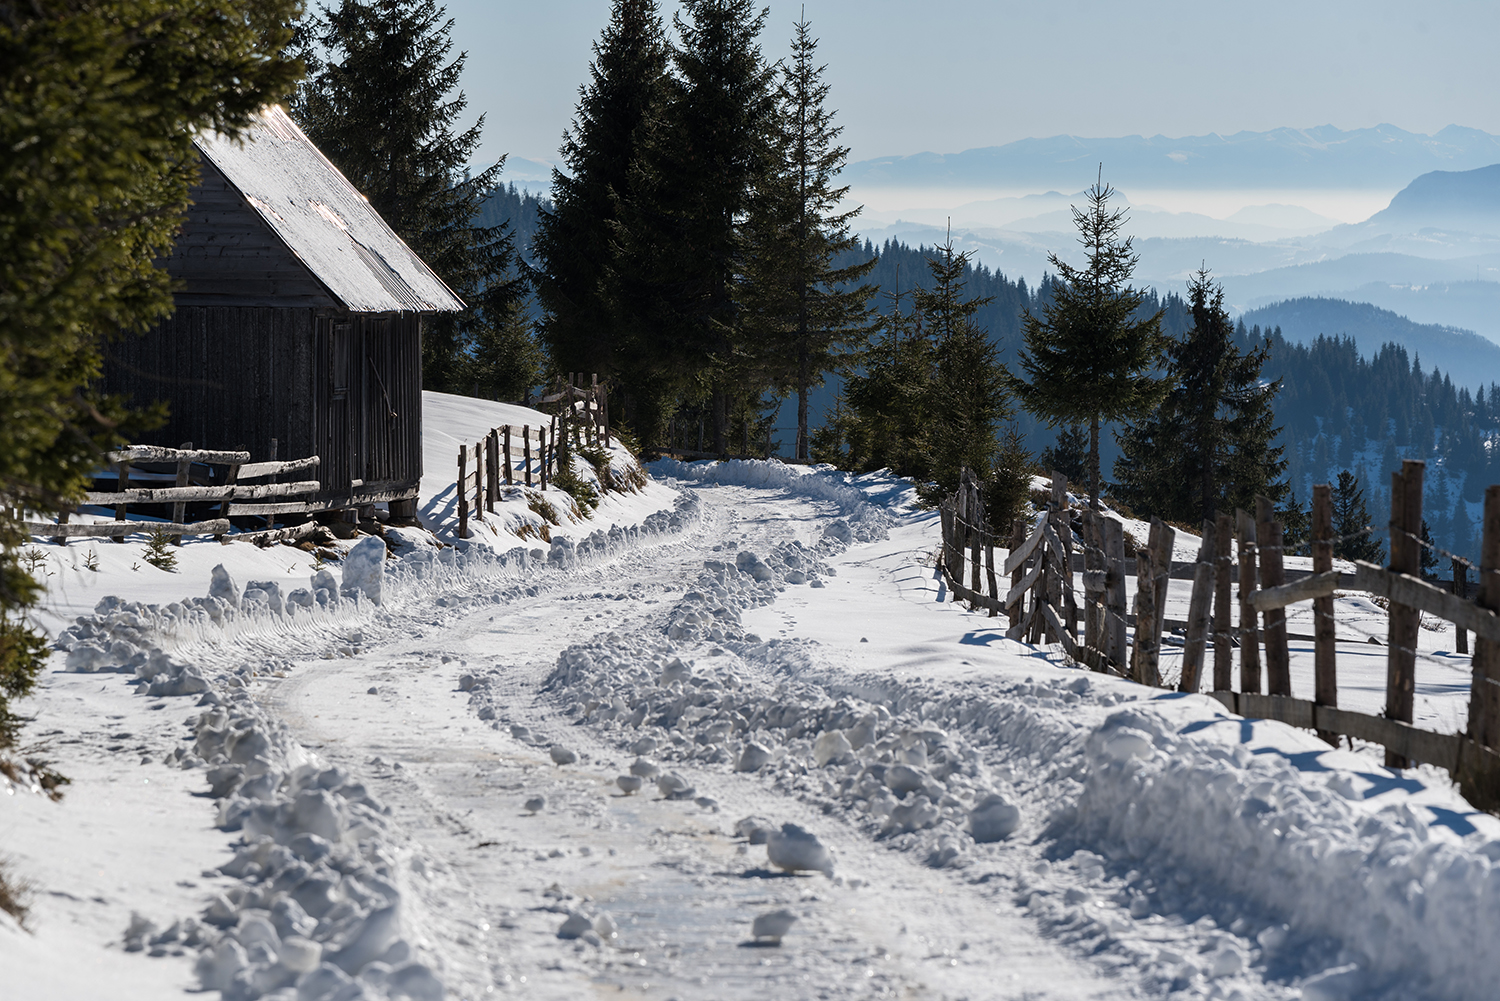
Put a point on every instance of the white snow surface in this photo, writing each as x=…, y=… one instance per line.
x=774, y=645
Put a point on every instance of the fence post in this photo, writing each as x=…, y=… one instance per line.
x=1406, y=557
x=461, y=497
x=491, y=469
x=479, y=480
x=955, y=552
x=122, y=484
x=1093, y=560
x=1325, y=667
x=1244, y=527
x=989, y=568
x=506, y=457
x=1017, y=539
x=544, y=455
x=1268, y=532
x=179, y=509
x=230, y=479
x=1223, y=603
x=945, y=520
x=1461, y=589
x=1114, y=588
x=1062, y=523
x=1484, y=692
x=1151, y=569
x=977, y=532
x=526, y=450
x=1199, y=613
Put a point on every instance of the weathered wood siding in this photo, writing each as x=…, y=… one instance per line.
x=340, y=386
x=227, y=256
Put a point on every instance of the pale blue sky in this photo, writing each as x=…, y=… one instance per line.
x=948, y=75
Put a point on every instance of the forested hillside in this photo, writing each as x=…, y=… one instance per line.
x=520, y=208
x=1337, y=410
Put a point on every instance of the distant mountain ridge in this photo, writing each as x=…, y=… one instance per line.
x=1469, y=359
x=1323, y=157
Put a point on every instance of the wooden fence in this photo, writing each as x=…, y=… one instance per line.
x=504, y=455
x=584, y=411
x=201, y=477
x=1042, y=606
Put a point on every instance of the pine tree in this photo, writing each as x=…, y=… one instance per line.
x=98, y=108
x=1069, y=454
x=679, y=230
x=889, y=394
x=1296, y=525
x=1208, y=446
x=1351, y=523
x=808, y=311
x=575, y=240
x=380, y=102
x=1088, y=357
x=968, y=396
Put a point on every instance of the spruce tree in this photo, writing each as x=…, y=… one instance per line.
x=679, y=229
x=808, y=315
x=380, y=101
x=1089, y=358
x=1352, y=528
x=575, y=241
x=888, y=396
x=1208, y=446
x=1069, y=454
x=968, y=397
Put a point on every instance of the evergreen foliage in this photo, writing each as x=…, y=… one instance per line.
x=806, y=315
x=98, y=106
x=1208, y=446
x=1070, y=454
x=681, y=244
x=1090, y=357
x=576, y=236
x=1351, y=520
x=380, y=101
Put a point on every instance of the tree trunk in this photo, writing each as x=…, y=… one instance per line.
x=721, y=420
x=1094, y=464
x=803, y=378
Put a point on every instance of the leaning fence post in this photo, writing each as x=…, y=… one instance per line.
x=461, y=497
x=1273, y=574
x=544, y=455
x=1406, y=557
x=479, y=480
x=976, y=534
x=1017, y=540
x=1199, y=609
x=506, y=457
x=1244, y=527
x=989, y=569
x=1325, y=666
x=1223, y=603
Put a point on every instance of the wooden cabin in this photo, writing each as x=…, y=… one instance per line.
x=298, y=327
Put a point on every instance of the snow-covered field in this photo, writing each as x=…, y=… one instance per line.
x=436, y=796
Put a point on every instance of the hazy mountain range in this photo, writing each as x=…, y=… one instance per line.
x=1381, y=157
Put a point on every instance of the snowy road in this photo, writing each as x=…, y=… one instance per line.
x=670, y=873
x=990, y=822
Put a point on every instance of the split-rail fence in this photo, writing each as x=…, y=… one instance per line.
x=222, y=479
x=1042, y=605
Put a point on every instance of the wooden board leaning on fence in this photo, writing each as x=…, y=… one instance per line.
x=226, y=476
x=1041, y=606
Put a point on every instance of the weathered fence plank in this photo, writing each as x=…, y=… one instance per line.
x=1244, y=527
x=1223, y=603
x=1406, y=558
x=1199, y=609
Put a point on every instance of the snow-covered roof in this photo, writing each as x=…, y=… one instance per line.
x=324, y=220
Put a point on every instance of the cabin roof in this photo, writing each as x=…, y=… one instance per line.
x=324, y=220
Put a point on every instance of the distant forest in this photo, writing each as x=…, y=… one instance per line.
x=1341, y=406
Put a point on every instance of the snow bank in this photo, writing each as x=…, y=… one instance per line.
x=1219, y=856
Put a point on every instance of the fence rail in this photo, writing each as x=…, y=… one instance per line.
x=227, y=471
x=1041, y=604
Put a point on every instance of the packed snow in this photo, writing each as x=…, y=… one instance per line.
x=728, y=740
